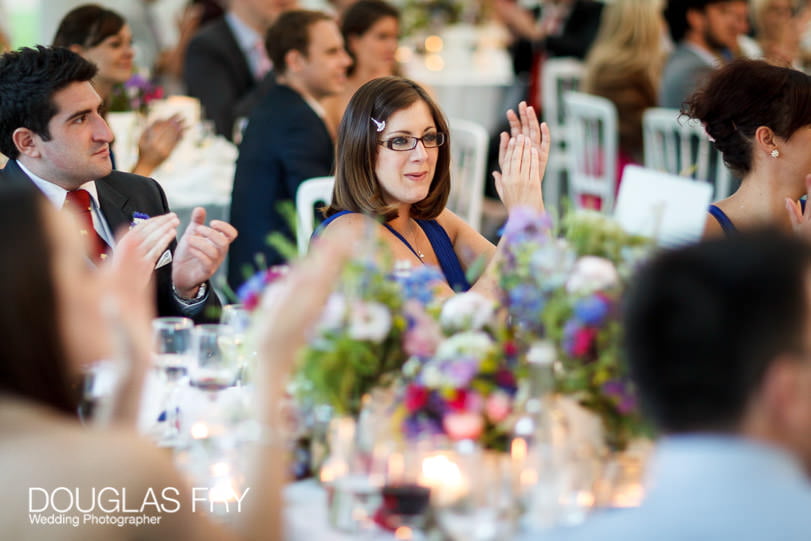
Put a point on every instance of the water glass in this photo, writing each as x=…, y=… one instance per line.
x=213, y=367
x=172, y=349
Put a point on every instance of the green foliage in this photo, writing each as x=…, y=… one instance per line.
x=340, y=366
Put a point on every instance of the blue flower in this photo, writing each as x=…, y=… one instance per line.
x=419, y=284
x=526, y=303
x=591, y=310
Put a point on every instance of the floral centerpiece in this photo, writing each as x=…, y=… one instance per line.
x=460, y=380
x=568, y=290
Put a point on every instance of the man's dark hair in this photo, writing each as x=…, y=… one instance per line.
x=704, y=323
x=676, y=15
x=28, y=80
x=291, y=32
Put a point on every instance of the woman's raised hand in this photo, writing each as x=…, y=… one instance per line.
x=522, y=157
x=519, y=182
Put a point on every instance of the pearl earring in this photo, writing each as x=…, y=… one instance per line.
x=775, y=153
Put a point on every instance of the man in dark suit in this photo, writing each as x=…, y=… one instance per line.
x=57, y=141
x=286, y=140
x=226, y=62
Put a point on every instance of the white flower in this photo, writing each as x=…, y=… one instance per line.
x=369, y=321
x=465, y=344
x=592, y=274
x=412, y=367
x=467, y=311
x=432, y=376
x=542, y=352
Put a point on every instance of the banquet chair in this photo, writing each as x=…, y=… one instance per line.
x=683, y=148
x=468, y=170
x=310, y=193
x=558, y=75
x=592, y=150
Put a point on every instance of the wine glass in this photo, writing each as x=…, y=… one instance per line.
x=475, y=500
x=406, y=496
x=236, y=320
x=212, y=368
x=172, y=347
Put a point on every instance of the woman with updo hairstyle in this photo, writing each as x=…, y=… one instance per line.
x=759, y=117
x=103, y=37
x=393, y=176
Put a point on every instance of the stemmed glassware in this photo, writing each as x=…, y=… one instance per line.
x=213, y=368
x=172, y=347
x=236, y=320
x=476, y=499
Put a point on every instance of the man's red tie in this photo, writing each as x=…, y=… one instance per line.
x=78, y=202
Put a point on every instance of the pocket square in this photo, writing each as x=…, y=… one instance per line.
x=165, y=259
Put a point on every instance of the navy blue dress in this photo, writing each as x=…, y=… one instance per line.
x=440, y=243
x=727, y=225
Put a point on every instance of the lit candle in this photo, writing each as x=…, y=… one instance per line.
x=443, y=477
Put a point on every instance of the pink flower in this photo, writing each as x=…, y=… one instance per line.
x=423, y=335
x=415, y=398
x=498, y=407
x=463, y=426
x=583, y=340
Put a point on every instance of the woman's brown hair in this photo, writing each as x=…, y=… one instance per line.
x=356, y=185
x=33, y=364
x=744, y=95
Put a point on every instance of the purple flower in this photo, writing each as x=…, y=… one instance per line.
x=592, y=310
x=569, y=333
x=623, y=394
x=137, y=81
x=436, y=404
x=416, y=426
x=526, y=223
x=460, y=372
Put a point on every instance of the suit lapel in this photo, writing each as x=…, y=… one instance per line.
x=114, y=205
x=237, y=58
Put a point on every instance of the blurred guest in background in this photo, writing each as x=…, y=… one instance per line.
x=103, y=37
x=287, y=140
x=370, y=29
x=759, y=117
x=556, y=28
x=705, y=33
x=777, y=32
x=226, y=60
x=718, y=339
x=338, y=7
x=625, y=65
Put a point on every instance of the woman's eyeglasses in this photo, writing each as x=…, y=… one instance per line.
x=402, y=143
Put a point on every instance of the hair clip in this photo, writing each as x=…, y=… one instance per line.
x=380, y=125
